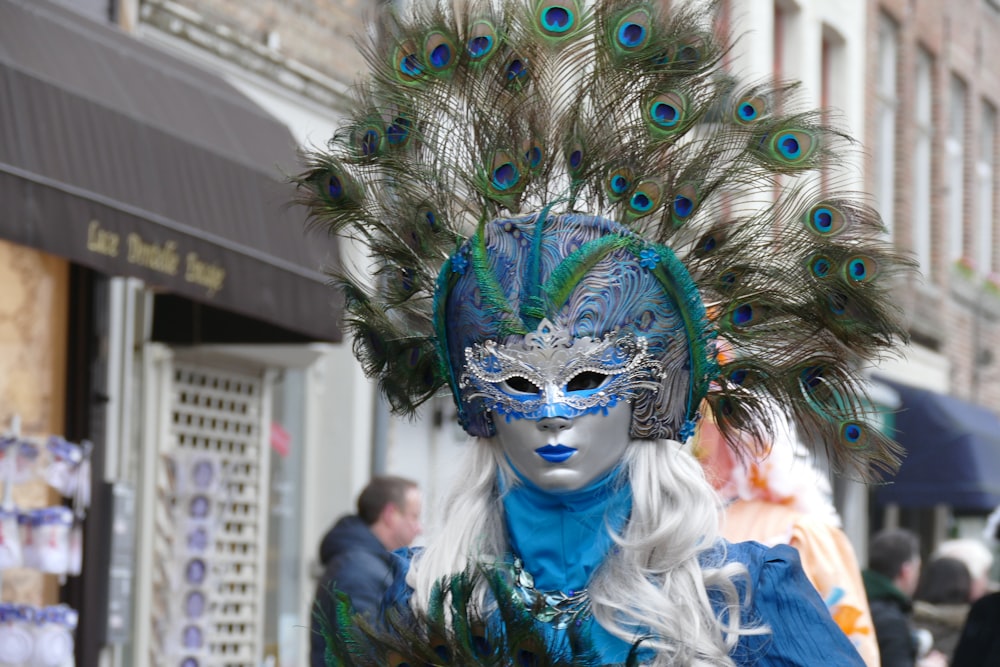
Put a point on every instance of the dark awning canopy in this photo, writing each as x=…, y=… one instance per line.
x=952, y=452
x=118, y=156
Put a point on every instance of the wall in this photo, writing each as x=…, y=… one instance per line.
x=33, y=325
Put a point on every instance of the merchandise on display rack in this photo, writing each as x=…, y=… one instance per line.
x=45, y=539
x=199, y=498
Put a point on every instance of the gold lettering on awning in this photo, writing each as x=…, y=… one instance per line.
x=210, y=276
x=160, y=258
x=102, y=241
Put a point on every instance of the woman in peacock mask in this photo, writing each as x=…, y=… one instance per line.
x=570, y=208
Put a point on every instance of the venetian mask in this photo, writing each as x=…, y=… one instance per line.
x=570, y=325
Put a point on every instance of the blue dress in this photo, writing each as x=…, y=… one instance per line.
x=561, y=539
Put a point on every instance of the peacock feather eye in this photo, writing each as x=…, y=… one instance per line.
x=645, y=199
x=406, y=63
x=690, y=52
x=711, y=241
x=632, y=31
x=406, y=277
x=618, y=183
x=398, y=132
x=574, y=157
x=369, y=140
x=533, y=154
x=854, y=434
x=742, y=377
x=558, y=18
x=750, y=109
x=665, y=113
x=792, y=146
x=685, y=203
x=427, y=216
x=729, y=279
x=742, y=315
x=820, y=266
x=747, y=314
x=838, y=303
x=482, y=41
x=861, y=268
x=811, y=378
x=825, y=219
x=516, y=72
x=440, y=53
x=335, y=186
x=505, y=174
x=815, y=384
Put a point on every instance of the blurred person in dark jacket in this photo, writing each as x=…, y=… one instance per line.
x=941, y=602
x=890, y=582
x=979, y=645
x=356, y=553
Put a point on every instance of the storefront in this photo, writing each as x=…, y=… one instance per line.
x=160, y=298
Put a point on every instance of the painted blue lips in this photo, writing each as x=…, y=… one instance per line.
x=555, y=453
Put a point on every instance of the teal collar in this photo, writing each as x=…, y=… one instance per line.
x=562, y=538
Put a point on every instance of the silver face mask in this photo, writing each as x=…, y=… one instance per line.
x=562, y=405
x=566, y=454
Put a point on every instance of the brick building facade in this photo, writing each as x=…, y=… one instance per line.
x=933, y=91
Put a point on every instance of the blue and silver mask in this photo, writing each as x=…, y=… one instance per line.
x=551, y=374
x=568, y=315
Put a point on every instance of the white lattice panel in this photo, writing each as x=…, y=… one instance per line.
x=220, y=413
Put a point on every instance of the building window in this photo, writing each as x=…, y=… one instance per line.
x=887, y=101
x=984, y=190
x=922, y=163
x=955, y=161
x=831, y=82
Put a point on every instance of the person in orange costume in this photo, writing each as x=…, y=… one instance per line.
x=783, y=499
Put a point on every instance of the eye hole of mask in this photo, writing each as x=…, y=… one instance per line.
x=520, y=385
x=586, y=380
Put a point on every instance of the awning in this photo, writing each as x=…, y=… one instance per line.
x=118, y=156
x=952, y=452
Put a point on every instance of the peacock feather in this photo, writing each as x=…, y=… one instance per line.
x=453, y=632
x=619, y=109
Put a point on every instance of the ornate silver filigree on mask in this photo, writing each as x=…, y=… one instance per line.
x=547, y=361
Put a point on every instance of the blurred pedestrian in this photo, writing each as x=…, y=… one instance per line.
x=979, y=645
x=356, y=552
x=976, y=556
x=784, y=499
x=890, y=581
x=941, y=601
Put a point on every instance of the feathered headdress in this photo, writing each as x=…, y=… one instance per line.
x=524, y=167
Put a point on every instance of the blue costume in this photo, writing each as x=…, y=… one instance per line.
x=561, y=539
x=587, y=232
